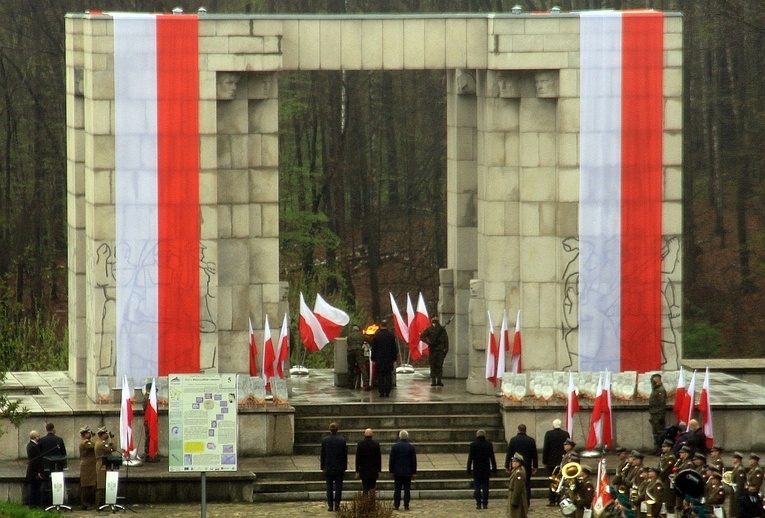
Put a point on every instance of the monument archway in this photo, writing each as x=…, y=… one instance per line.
x=517, y=89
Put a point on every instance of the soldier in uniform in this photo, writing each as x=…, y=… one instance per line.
x=632, y=478
x=356, y=359
x=87, y=469
x=638, y=497
x=655, y=491
x=517, y=505
x=102, y=448
x=583, y=492
x=754, y=475
x=738, y=479
x=714, y=492
x=568, y=453
x=657, y=407
x=666, y=467
x=715, y=459
x=699, y=461
x=438, y=345
x=683, y=462
x=621, y=469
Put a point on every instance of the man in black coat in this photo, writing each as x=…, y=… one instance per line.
x=750, y=503
x=368, y=461
x=50, y=446
x=527, y=447
x=403, y=464
x=34, y=469
x=384, y=355
x=334, y=462
x=481, y=464
x=552, y=453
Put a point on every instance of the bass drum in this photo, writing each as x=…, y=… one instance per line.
x=567, y=507
x=690, y=483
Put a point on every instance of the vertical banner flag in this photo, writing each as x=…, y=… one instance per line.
x=126, y=418
x=621, y=110
x=690, y=400
x=677, y=408
x=412, y=333
x=151, y=416
x=284, y=348
x=311, y=333
x=402, y=330
x=269, y=358
x=253, y=353
x=705, y=407
x=421, y=322
x=572, y=405
x=516, y=358
x=600, y=422
x=502, y=349
x=492, y=351
x=157, y=229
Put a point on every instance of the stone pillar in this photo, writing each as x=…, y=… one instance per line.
x=476, y=381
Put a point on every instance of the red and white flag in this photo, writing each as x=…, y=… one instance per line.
x=412, y=334
x=677, y=408
x=600, y=422
x=156, y=193
x=269, y=358
x=705, y=407
x=572, y=405
x=283, y=351
x=516, y=357
x=126, y=418
x=421, y=321
x=332, y=319
x=690, y=400
x=620, y=198
x=311, y=333
x=253, y=353
x=151, y=416
x=402, y=329
x=502, y=348
x=602, y=494
x=492, y=351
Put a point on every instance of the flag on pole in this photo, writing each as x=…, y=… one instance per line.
x=516, y=357
x=502, y=348
x=600, y=422
x=572, y=405
x=126, y=418
x=402, y=330
x=705, y=407
x=284, y=348
x=331, y=318
x=422, y=321
x=690, y=399
x=151, y=416
x=680, y=398
x=412, y=334
x=492, y=350
x=602, y=494
x=253, y=353
x=311, y=333
x=268, y=356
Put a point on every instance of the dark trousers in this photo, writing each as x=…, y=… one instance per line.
x=481, y=491
x=368, y=484
x=357, y=360
x=437, y=364
x=88, y=496
x=35, y=487
x=384, y=382
x=334, y=489
x=399, y=482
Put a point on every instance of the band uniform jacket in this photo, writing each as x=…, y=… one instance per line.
x=657, y=489
x=517, y=505
x=102, y=449
x=666, y=466
x=738, y=479
x=754, y=477
x=87, y=463
x=714, y=493
x=583, y=496
x=621, y=472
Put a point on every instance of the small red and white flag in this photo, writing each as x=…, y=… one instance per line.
x=677, y=408
x=516, y=357
x=402, y=329
x=690, y=400
x=126, y=418
x=311, y=333
x=332, y=319
x=284, y=348
x=502, y=348
x=600, y=422
x=269, y=358
x=572, y=405
x=412, y=334
x=492, y=351
x=602, y=494
x=705, y=407
x=151, y=416
x=253, y=353
x=421, y=321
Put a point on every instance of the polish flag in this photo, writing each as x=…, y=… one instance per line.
x=705, y=407
x=412, y=333
x=572, y=405
x=402, y=330
x=602, y=494
x=331, y=318
x=680, y=398
x=689, y=400
x=492, y=351
x=311, y=333
x=156, y=193
x=600, y=422
x=516, y=357
x=268, y=356
x=284, y=348
x=421, y=321
x=502, y=348
x=620, y=198
x=151, y=416
x=126, y=418
x=253, y=353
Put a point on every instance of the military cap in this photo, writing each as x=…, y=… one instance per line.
x=754, y=456
x=738, y=455
x=715, y=448
x=517, y=457
x=103, y=429
x=686, y=449
x=668, y=442
x=621, y=449
x=569, y=442
x=84, y=430
x=699, y=456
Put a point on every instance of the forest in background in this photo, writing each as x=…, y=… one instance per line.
x=363, y=171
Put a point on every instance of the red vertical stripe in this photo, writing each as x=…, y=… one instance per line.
x=642, y=92
x=178, y=193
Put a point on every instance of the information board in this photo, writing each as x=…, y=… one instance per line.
x=203, y=422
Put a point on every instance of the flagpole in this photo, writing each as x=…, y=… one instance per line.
x=407, y=367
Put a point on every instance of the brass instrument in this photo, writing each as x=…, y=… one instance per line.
x=571, y=472
x=555, y=479
x=727, y=479
x=649, y=502
x=634, y=494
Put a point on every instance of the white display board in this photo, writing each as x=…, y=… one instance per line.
x=202, y=414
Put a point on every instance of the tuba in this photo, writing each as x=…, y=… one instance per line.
x=555, y=478
x=570, y=472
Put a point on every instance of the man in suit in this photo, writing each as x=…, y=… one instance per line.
x=403, y=464
x=50, y=446
x=368, y=461
x=34, y=474
x=334, y=462
x=384, y=355
x=527, y=447
x=552, y=453
x=481, y=464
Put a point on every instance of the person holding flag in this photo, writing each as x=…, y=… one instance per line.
x=438, y=344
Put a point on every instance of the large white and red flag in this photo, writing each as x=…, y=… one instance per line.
x=600, y=422
x=502, y=348
x=402, y=329
x=332, y=319
x=689, y=400
x=156, y=194
x=269, y=357
x=311, y=333
x=516, y=357
x=253, y=352
x=572, y=405
x=677, y=408
x=705, y=407
x=283, y=351
x=620, y=198
x=151, y=416
x=492, y=351
x=126, y=418
x=602, y=494
x=416, y=326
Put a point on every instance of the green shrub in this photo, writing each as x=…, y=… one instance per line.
x=701, y=339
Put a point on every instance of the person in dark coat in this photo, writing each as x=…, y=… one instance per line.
x=368, y=461
x=527, y=447
x=334, y=462
x=481, y=464
x=403, y=464
x=657, y=408
x=750, y=503
x=384, y=355
x=50, y=446
x=87, y=469
x=34, y=474
x=437, y=339
x=552, y=453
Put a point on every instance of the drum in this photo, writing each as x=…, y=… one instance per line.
x=690, y=483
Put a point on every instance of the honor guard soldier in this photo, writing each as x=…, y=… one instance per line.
x=699, y=461
x=517, y=505
x=714, y=493
x=754, y=476
x=683, y=462
x=738, y=483
x=666, y=466
x=621, y=469
x=584, y=491
x=655, y=492
x=715, y=459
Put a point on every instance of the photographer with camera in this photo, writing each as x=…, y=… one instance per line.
x=103, y=448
